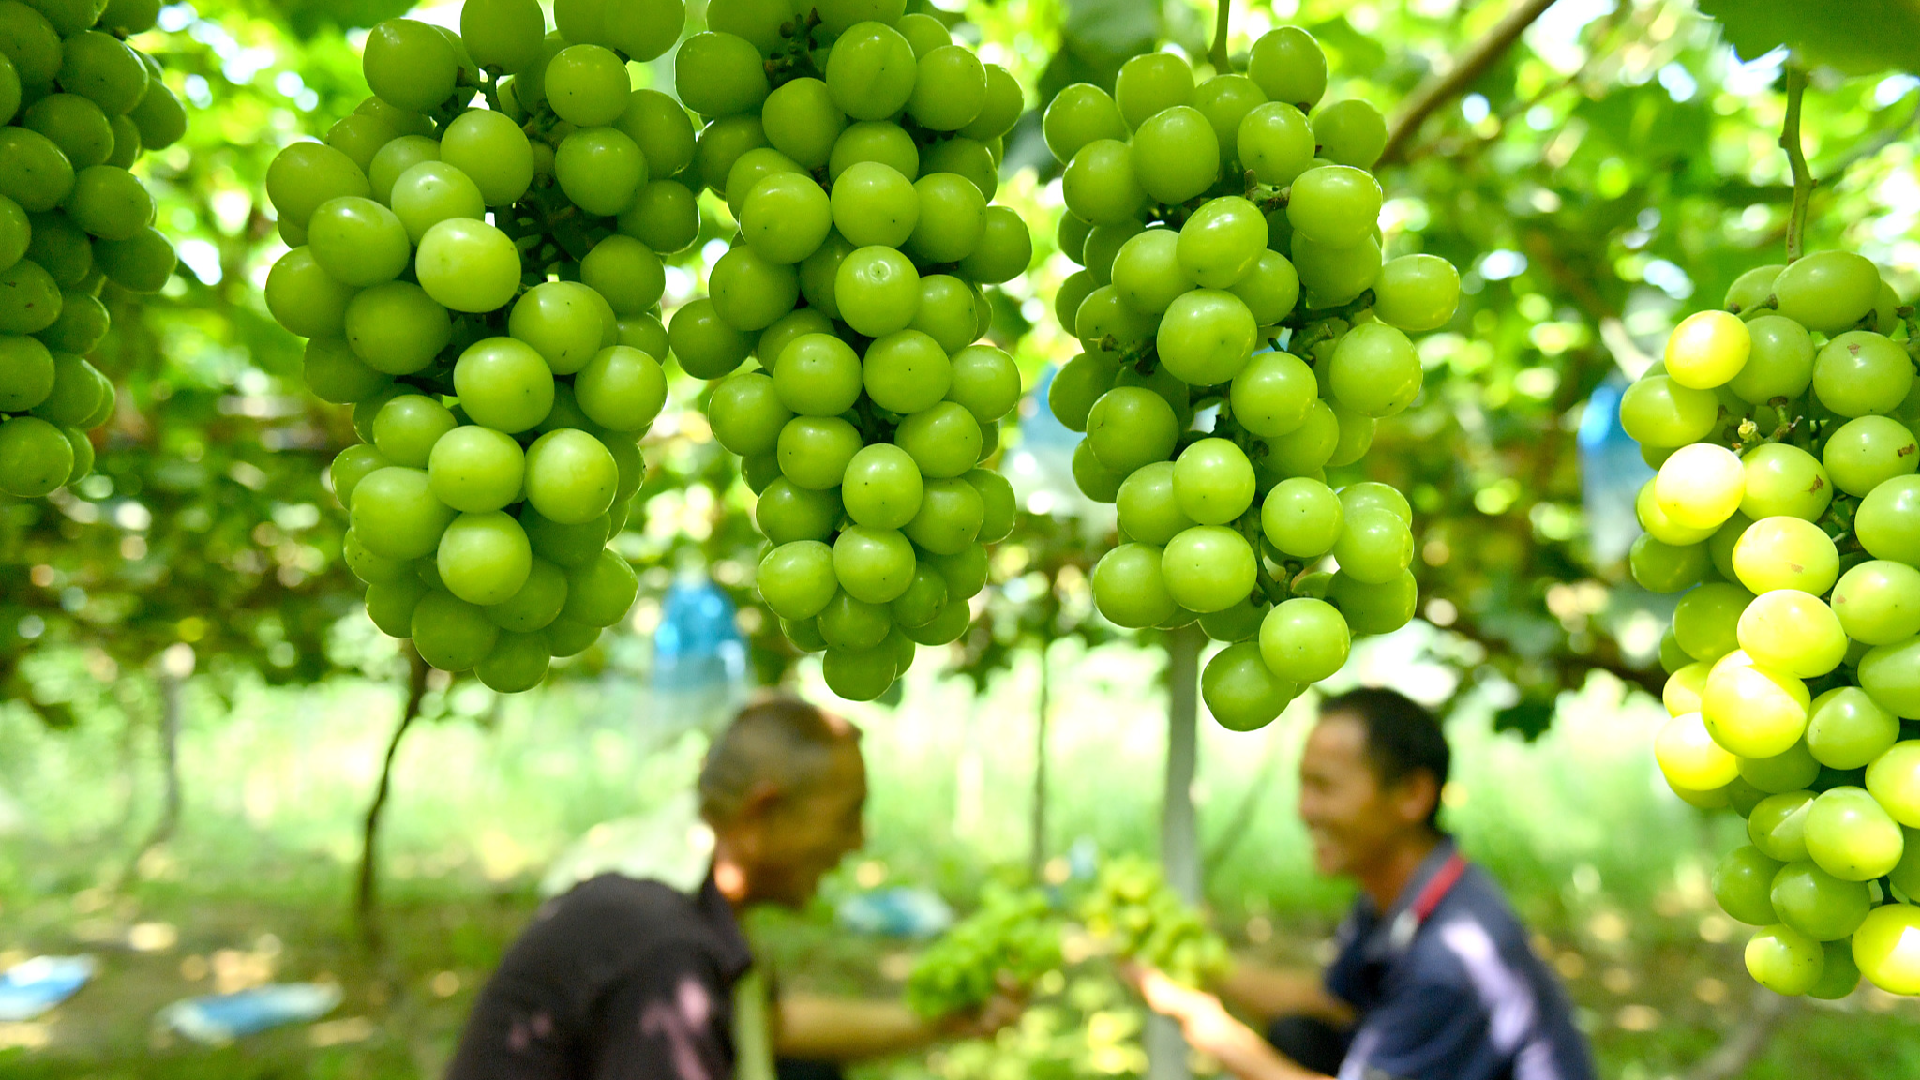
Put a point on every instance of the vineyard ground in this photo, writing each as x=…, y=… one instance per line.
x=255, y=884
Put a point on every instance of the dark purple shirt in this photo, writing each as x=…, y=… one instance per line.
x=617, y=979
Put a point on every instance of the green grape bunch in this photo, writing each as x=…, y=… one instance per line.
x=1213, y=220
x=1139, y=917
x=858, y=148
x=1786, y=512
x=475, y=262
x=79, y=104
x=1008, y=944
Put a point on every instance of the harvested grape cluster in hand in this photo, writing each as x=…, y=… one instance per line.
x=79, y=105
x=1009, y=943
x=857, y=146
x=1139, y=917
x=1213, y=221
x=1787, y=510
x=475, y=264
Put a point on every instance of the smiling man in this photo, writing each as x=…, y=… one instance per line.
x=1434, y=979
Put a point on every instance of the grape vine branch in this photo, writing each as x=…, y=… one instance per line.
x=1796, y=160
x=365, y=881
x=1448, y=83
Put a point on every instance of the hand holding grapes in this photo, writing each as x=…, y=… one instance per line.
x=1002, y=1010
x=1208, y=1027
x=1139, y=918
x=975, y=977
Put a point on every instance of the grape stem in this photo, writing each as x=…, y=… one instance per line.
x=1217, y=55
x=1796, y=160
x=1263, y=579
x=1749, y=434
x=1299, y=317
x=796, y=59
x=490, y=88
x=1143, y=356
x=1269, y=203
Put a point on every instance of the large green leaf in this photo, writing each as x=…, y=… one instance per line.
x=309, y=17
x=1858, y=37
x=1114, y=29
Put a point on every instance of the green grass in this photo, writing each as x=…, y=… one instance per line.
x=1610, y=869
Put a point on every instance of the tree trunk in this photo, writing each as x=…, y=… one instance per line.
x=169, y=759
x=364, y=890
x=1037, y=814
x=169, y=685
x=1179, y=844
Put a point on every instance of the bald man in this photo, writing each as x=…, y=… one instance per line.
x=629, y=979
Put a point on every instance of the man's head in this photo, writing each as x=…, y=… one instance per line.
x=1370, y=779
x=783, y=788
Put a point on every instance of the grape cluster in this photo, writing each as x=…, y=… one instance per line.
x=1139, y=917
x=857, y=147
x=1010, y=942
x=1787, y=509
x=1209, y=220
x=78, y=105
x=480, y=280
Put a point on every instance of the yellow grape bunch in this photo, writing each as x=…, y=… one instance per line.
x=1786, y=511
x=1242, y=336
x=79, y=104
x=857, y=146
x=475, y=262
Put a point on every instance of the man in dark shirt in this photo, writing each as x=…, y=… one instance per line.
x=627, y=979
x=1434, y=980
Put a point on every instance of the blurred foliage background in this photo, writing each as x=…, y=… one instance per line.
x=1609, y=169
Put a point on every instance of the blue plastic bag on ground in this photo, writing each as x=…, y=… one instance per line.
x=222, y=1018
x=32, y=987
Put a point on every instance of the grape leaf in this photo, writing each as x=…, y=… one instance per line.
x=1111, y=28
x=308, y=18
x=1530, y=717
x=1855, y=37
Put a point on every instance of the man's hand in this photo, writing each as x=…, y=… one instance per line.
x=999, y=1011
x=1209, y=1028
